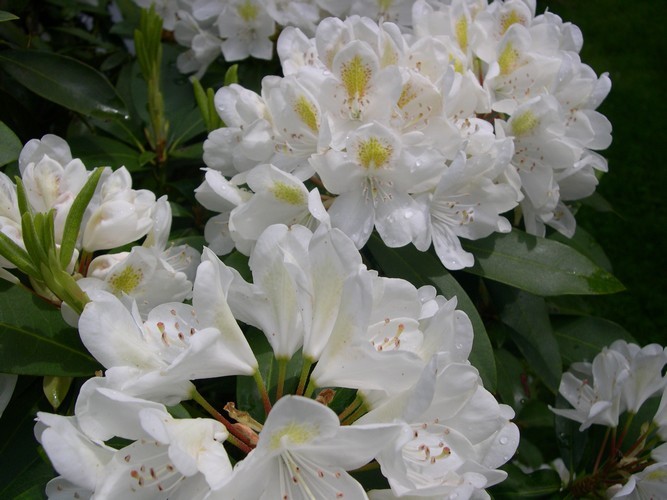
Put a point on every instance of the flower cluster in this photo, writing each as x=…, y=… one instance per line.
x=238, y=29
x=621, y=380
x=427, y=135
x=414, y=405
x=116, y=215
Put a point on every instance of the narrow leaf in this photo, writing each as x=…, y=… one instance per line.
x=75, y=216
x=424, y=269
x=65, y=81
x=17, y=256
x=10, y=145
x=538, y=265
x=35, y=340
x=7, y=16
x=232, y=75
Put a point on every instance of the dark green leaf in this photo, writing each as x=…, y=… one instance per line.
x=420, y=269
x=65, y=81
x=527, y=315
x=518, y=484
x=10, y=145
x=34, y=339
x=537, y=265
x=510, y=372
x=572, y=444
x=581, y=339
x=22, y=469
x=97, y=151
x=529, y=454
x=584, y=243
x=535, y=413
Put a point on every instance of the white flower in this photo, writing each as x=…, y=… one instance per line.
x=595, y=390
x=457, y=434
x=117, y=214
x=160, y=356
x=304, y=452
x=645, y=378
x=649, y=483
x=246, y=26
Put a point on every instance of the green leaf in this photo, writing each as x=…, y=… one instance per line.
x=56, y=389
x=585, y=244
x=22, y=469
x=65, y=81
x=582, y=338
x=232, y=75
x=7, y=16
x=527, y=315
x=420, y=269
x=35, y=340
x=510, y=373
x=538, y=265
x=17, y=256
x=10, y=145
x=98, y=151
x=75, y=216
x=518, y=484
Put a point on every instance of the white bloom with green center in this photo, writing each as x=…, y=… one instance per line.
x=246, y=27
x=280, y=198
x=303, y=452
x=372, y=178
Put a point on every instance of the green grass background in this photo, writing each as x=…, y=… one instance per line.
x=628, y=39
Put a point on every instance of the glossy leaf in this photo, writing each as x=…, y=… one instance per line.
x=10, y=145
x=581, y=339
x=538, y=265
x=528, y=317
x=35, y=340
x=584, y=243
x=420, y=269
x=65, y=81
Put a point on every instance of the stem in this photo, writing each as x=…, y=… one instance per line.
x=359, y=412
x=626, y=428
x=305, y=371
x=310, y=388
x=262, y=391
x=604, y=445
x=234, y=436
x=350, y=408
x=282, y=372
x=84, y=261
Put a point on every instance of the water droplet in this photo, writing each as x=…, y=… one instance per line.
x=408, y=214
x=453, y=496
x=503, y=440
x=459, y=346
